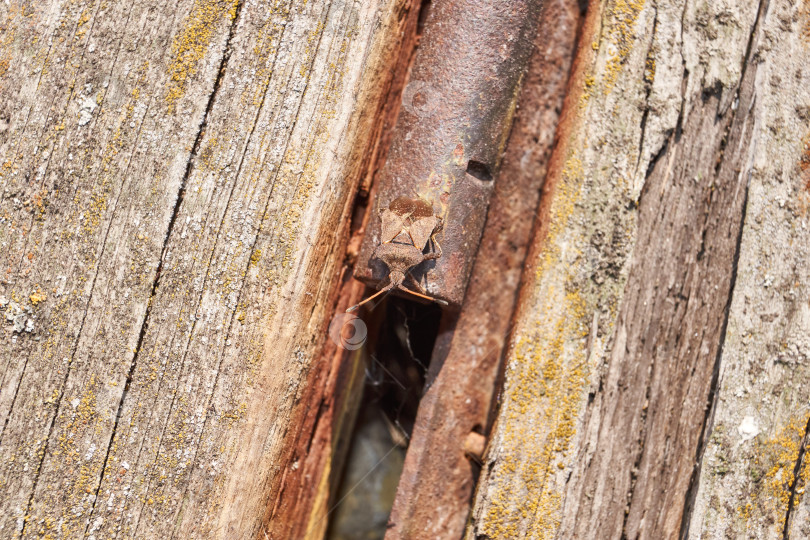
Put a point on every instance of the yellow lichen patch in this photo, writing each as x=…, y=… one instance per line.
x=17, y=14
x=266, y=39
x=623, y=15
x=545, y=384
x=37, y=296
x=773, y=473
x=191, y=44
x=93, y=211
x=7, y=35
x=38, y=203
x=76, y=456
x=81, y=28
x=649, y=68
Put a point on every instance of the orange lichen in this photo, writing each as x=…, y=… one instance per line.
x=37, y=296
x=623, y=15
x=191, y=44
x=773, y=473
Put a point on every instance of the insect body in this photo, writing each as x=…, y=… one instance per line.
x=408, y=226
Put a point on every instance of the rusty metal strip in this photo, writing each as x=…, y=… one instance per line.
x=436, y=487
x=452, y=129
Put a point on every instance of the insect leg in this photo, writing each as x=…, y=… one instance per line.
x=434, y=254
x=372, y=297
x=417, y=284
x=437, y=300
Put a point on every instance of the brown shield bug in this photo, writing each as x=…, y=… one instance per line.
x=408, y=226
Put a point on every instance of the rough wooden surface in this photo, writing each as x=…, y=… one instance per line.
x=176, y=183
x=435, y=490
x=305, y=497
x=681, y=116
x=748, y=485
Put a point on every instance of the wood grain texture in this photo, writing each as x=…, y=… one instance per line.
x=622, y=321
x=754, y=471
x=303, y=499
x=177, y=179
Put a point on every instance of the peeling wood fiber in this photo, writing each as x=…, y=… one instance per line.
x=754, y=471
x=174, y=183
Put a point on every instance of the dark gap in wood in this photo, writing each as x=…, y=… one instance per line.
x=479, y=170
x=653, y=162
x=722, y=151
x=647, y=90
x=424, y=10
x=398, y=366
x=396, y=372
x=175, y=211
x=380, y=373
x=17, y=390
x=797, y=469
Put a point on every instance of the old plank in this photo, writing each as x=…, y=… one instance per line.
x=651, y=412
x=621, y=317
x=93, y=161
x=170, y=418
x=748, y=484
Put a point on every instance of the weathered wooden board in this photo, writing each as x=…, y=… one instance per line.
x=93, y=162
x=747, y=485
x=176, y=183
x=676, y=122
